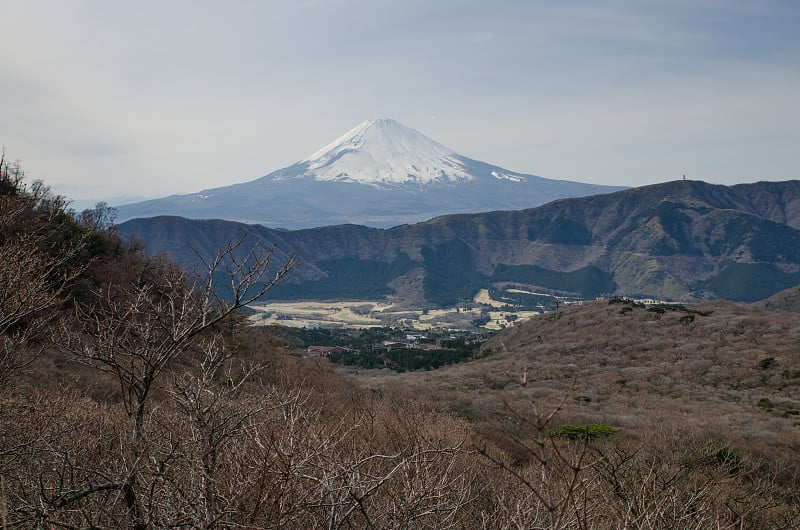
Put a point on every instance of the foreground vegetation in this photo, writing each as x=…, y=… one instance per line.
x=132, y=397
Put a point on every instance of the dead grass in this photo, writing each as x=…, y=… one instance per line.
x=639, y=370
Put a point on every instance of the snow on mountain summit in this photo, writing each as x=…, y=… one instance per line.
x=381, y=173
x=383, y=152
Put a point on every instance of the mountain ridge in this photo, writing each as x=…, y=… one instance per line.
x=683, y=240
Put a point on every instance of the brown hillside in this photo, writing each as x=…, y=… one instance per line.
x=717, y=369
x=786, y=300
x=131, y=396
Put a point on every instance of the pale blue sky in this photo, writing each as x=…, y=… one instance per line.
x=103, y=99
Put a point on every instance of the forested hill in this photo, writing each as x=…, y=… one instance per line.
x=680, y=240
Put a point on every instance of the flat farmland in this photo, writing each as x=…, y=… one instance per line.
x=482, y=312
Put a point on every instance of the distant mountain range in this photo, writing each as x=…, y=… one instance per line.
x=381, y=174
x=682, y=240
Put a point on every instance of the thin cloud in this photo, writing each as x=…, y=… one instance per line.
x=157, y=98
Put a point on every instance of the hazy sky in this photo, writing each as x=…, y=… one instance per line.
x=105, y=99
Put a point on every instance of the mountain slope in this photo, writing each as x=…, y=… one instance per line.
x=679, y=240
x=380, y=173
x=786, y=300
x=382, y=153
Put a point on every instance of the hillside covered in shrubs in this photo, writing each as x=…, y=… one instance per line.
x=133, y=394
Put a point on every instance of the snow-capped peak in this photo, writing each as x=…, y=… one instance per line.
x=384, y=152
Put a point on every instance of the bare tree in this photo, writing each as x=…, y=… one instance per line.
x=358, y=467
x=37, y=264
x=134, y=331
x=99, y=218
x=560, y=470
x=209, y=398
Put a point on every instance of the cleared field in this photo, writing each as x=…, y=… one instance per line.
x=504, y=319
x=483, y=297
x=522, y=291
x=357, y=314
x=370, y=313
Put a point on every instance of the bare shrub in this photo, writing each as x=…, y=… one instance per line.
x=37, y=263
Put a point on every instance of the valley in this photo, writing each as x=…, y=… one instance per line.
x=235, y=294
x=135, y=392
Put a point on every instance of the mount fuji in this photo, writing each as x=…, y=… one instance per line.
x=381, y=174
